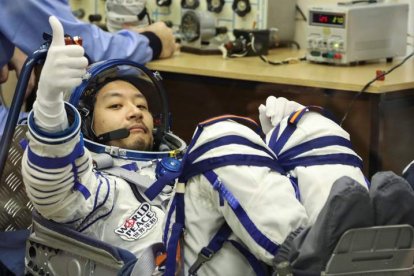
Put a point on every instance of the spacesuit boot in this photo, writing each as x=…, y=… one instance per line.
x=392, y=198
x=348, y=206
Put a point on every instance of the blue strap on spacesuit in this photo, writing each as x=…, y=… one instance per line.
x=213, y=246
x=314, y=144
x=216, y=244
x=225, y=231
x=287, y=159
x=237, y=159
x=178, y=205
x=277, y=144
x=155, y=189
x=241, y=214
x=206, y=167
x=176, y=234
x=231, y=159
x=258, y=267
x=230, y=139
x=189, y=169
x=56, y=162
x=315, y=160
x=60, y=162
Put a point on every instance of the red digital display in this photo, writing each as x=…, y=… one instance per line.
x=329, y=19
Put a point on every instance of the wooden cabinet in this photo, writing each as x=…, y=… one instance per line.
x=380, y=122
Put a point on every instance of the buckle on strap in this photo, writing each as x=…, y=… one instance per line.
x=203, y=256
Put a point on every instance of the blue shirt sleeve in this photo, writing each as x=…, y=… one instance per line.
x=23, y=22
x=4, y=112
x=6, y=50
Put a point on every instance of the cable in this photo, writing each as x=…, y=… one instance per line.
x=265, y=59
x=289, y=43
x=282, y=62
x=301, y=13
x=241, y=47
x=369, y=83
x=357, y=2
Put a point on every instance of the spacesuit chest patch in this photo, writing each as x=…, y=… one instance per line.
x=138, y=224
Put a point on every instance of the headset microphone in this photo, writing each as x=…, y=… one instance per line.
x=113, y=135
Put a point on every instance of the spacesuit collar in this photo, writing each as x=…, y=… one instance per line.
x=135, y=154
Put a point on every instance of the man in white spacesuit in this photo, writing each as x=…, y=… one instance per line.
x=58, y=170
x=60, y=181
x=234, y=207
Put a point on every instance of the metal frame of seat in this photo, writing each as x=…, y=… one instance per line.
x=379, y=250
x=15, y=207
x=55, y=249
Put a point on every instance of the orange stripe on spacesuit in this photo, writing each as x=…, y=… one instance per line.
x=293, y=118
x=228, y=116
x=161, y=258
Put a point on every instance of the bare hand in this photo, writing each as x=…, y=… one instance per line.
x=16, y=63
x=165, y=34
x=4, y=74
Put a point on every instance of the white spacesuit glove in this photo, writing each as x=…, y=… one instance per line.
x=275, y=110
x=63, y=70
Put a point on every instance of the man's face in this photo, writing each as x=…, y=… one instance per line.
x=120, y=104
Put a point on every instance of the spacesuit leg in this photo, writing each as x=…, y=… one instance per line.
x=348, y=206
x=392, y=198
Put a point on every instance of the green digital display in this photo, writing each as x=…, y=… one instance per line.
x=327, y=19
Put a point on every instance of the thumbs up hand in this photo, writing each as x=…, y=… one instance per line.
x=63, y=70
x=65, y=64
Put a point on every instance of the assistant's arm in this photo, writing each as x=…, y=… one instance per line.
x=6, y=50
x=24, y=21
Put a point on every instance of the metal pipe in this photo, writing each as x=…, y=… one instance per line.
x=17, y=103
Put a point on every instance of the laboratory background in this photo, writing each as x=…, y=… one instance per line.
x=350, y=62
x=205, y=80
